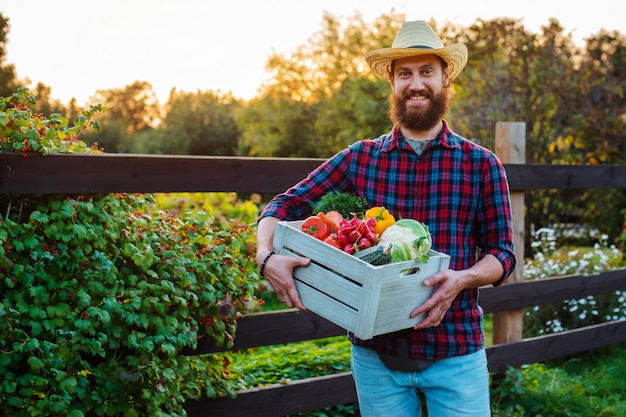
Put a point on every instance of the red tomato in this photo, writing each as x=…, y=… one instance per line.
x=316, y=227
x=333, y=242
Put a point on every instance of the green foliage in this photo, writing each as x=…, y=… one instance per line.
x=358, y=110
x=586, y=385
x=21, y=130
x=294, y=361
x=321, y=97
x=100, y=294
x=278, y=127
x=224, y=206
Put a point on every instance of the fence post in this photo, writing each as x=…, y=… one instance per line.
x=511, y=149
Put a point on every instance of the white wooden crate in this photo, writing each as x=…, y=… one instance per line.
x=365, y=299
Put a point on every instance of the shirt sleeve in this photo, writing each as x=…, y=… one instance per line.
x=495, y=220
x=297, y=202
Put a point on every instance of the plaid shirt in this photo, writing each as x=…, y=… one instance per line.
x=457, y=188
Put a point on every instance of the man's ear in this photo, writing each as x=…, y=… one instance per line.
x=446, y=79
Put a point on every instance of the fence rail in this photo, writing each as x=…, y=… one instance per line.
x=112, y=173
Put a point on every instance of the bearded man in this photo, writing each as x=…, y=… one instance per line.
x=420, y=170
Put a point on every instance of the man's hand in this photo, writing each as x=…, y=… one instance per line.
x=279, y=272
x=486, y=271
x=449, y=286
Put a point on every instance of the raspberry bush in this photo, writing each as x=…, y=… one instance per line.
x=100, y=294
x=23, y=131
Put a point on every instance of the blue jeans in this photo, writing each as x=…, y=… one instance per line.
x=452, y=387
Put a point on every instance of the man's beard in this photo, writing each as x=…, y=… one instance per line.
x=419, y=119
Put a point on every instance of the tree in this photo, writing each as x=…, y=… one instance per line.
x=570, y=99
x=317, y=69
x=129, y=110
x=357, y=111
x=8, y=81
x=277, y=127
x=135, y=105
x=201, y=123
x=294, y=114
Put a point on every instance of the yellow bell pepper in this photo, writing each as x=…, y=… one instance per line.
x=383, y=218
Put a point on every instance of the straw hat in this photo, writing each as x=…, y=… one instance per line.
x=413, y=39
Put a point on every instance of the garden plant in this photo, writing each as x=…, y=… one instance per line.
x=100, y=294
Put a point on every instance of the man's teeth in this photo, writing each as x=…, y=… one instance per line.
x=418, y=97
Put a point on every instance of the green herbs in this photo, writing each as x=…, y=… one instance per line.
x=345, y=203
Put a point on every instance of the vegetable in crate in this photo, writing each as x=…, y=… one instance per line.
x=316, y=227
x=345, y=203
x=383, y=218
x=376, y=255
x=357, y=234
x=410, y=238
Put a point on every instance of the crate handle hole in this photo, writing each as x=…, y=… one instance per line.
x=410, y=271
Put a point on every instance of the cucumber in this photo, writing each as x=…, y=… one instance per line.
x=376, y=255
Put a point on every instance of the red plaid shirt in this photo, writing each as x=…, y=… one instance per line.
x=456, y=187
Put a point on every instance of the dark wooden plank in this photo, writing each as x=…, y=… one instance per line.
x=274, y=327
x=281, y=399
x=107, y=173
x=565, y=177
x=550, y=290
x=543, y=348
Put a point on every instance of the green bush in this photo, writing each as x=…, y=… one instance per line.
x=100, y=297
x=23, y=131
x=101, y=294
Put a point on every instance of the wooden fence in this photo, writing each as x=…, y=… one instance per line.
x=107, y=173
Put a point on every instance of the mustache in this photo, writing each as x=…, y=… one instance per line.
x=414, y=93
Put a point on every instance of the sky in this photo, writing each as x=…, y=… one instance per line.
x=79, y=46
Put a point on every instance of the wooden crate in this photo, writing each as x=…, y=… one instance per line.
x=365, y=299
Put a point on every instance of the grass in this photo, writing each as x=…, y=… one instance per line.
x=586, y=385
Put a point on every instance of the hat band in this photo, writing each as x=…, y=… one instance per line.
x=421, y=47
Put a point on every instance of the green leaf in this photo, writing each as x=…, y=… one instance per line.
x=169, y=373
x=80, y=231
x=35, y=363
x=18, y=245
x=31, y=242
x=5, y=359
x=38, y=216
x=168, y=349
x=68, y=384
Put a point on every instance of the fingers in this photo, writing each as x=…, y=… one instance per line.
x=291, y=299
x=279, y=271
x=439, y=302
x=433, y=318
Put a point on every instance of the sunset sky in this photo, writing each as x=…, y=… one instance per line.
x=79, y=46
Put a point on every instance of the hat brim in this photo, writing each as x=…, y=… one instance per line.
x=380, y=60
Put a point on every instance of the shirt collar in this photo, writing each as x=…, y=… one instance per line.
x=446, y=138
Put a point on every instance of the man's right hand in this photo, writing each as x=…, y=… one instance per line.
x=279, y=272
